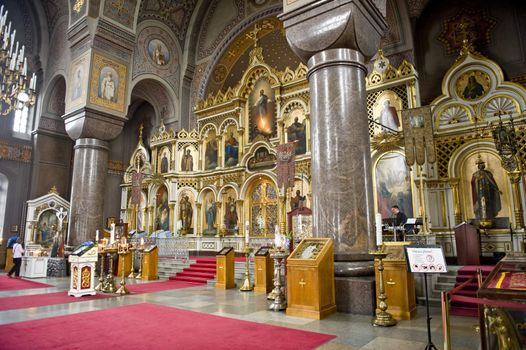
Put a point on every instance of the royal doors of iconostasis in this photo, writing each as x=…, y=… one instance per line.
x=262, y=206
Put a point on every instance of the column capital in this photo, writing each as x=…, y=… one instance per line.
x=89, y=123
x=352, y=24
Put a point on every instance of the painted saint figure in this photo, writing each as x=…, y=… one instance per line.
x=158, y=55
x=298, y=201
x=107, y=87
x=185, y=213
x=231, y=214
x=473, y=89
x=388, y=117
x=262, y=122
x=210, y=214
x=164, y=164
x=485, y=193
x=231, y=151
x=187, y=162
x=211, y=154
x=296, y=132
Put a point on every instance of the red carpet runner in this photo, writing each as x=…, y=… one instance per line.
x=459, y=308
x=7, y=283
x=47, y=299
x=149, y=326
x=201, y=271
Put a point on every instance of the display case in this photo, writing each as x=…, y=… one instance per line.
x=503, y=316
x=264, y=270
x=150, y=261
x=225, y=268
x=399, y=283
x=34, y=262
x=83, y=261
x=310, y=279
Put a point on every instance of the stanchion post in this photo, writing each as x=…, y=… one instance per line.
x=446, y=330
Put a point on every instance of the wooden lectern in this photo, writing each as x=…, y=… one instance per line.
x=468, y=244
x=127, y=264
x=150, y=260
x=310, y=279
x=225, y=268
x=264, y=271
x=399, y=284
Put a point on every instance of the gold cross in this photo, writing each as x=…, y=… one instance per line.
x=302, y=283
x=253, y=34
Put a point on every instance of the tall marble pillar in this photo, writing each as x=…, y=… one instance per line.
x=343, y=35
x=90, y=166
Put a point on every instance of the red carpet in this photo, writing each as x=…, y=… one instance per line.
x=200, y=272
x=149, y=326
x=35, y=300
x=460, y=308
x=7, y=283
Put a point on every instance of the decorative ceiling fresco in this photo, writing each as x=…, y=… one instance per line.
x=234, y=61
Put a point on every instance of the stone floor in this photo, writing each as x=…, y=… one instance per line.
x=352, y=331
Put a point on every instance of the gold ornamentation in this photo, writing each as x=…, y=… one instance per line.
x=86, y=277
x=75, y=277
x=386, y=142
x=53, y=190
x=78, y=6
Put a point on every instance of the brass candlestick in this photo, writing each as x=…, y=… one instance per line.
x=132, y=252
x=247, y=286
x=122, y=289
x=280, y=300
x=100, y=286
x=109, y=287
x=382, y=318
x=141, y=254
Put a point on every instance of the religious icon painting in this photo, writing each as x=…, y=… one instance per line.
x=46, y=228
x=186, y=212
x=393, y=184
x=386, y=112
x=210, y=213
x=297, y=130
x=188, y=156
x=162, y=211
x=473, y=85
x=158, y=52
x=231, y=147
x=77, y=91
x=231, y=218
x=164, y=160
x=262, y=106
x=108, y=83
x=211, y=146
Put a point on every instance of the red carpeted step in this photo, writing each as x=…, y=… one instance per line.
x=462, y=308
x=189, y=279
x=196, y=274
x=199, y=268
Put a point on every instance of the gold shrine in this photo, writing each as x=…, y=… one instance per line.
x=214, y=180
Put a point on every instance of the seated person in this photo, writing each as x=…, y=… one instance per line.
x=399, y=219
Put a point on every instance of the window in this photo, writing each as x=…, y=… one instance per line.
x=3, y=200
x=20, y=124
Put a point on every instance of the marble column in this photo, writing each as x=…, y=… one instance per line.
x=90, y=166
x=344, y=35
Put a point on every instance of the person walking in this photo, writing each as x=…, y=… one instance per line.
x=18, y=250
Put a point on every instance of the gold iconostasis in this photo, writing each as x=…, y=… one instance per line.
x=221, y=177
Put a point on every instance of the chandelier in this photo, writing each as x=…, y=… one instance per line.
x=17, y=89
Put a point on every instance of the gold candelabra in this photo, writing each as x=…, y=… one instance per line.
x=280, y=300
x=123, y=250
x=141, y=255
x=109, y=286
x=16, y=88
x=247, y=286
x=132, y=252
x=100, y=286
x=382, y=318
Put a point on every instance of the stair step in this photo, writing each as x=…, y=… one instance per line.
x=196, y=274
x=189, y=279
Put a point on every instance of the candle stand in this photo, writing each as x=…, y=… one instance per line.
x=382, y=318
x=247, y=286
x=280, y=300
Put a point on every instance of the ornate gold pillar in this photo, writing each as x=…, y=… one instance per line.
x=515, y=178
x=281, y=126
x=457, y=209
x=240, y=217
x=172, y=215
x=219, y=218
x=144, y=219
x=199, y=219
x=282, y=210
x=241, y=140
x=220, y=151
x=150, y=221
x=200, y=164
x=129, y=214
x=154, y=161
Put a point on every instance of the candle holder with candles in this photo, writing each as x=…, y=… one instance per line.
x=140, y=249
x=279, y=299
x=382, y=318
x=102, y=252
x=109, y=285
x=122, y=251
